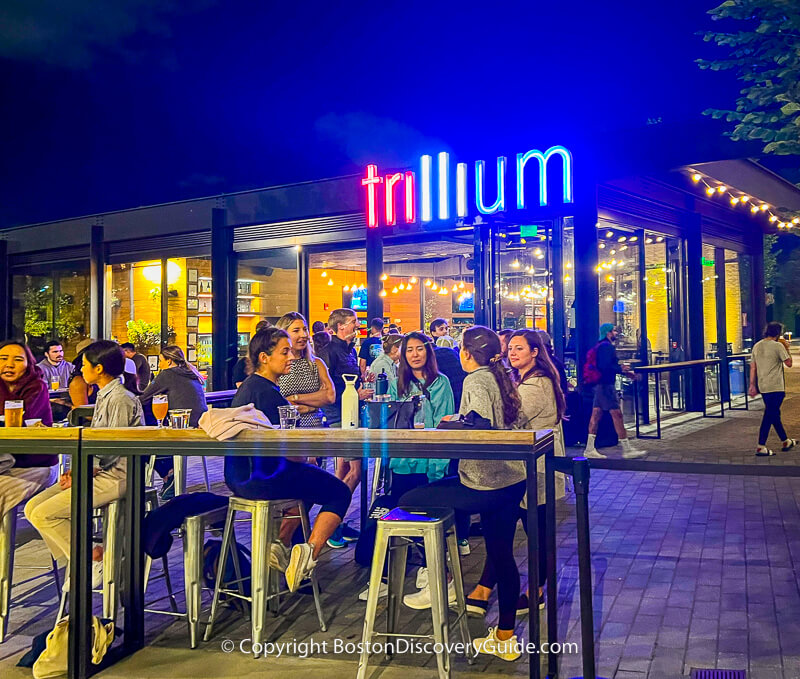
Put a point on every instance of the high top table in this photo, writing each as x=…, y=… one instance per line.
x=138, y=443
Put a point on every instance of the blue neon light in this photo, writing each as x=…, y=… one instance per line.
x=444, y=185
x=425, y=187
x=461, y=190
x=500, y=203
x=523, y=158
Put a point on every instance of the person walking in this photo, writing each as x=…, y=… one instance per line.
x=602, y=362
x=766, y=376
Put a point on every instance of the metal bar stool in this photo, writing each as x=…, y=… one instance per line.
x=112, y=525
x=394, y=535
x=263, y=515
x=8, y=535
x=193, y=530
x=179, y=466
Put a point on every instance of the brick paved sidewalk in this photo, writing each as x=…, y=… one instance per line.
x=689, y=571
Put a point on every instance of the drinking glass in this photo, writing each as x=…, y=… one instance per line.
x=179, y=419
x=289, y=416
x=13, y=413
x=55, y=385
x=160, y=408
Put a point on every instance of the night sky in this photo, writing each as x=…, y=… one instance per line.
x=148, y=101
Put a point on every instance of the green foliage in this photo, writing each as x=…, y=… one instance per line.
x=770, y=259
x=38, y=310
x=144, y=335
x=764, y=50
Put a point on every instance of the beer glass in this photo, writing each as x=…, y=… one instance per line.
x=55, y=384
x=160, y=408
x=13, y=413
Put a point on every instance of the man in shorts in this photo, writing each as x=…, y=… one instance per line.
x=605, y=394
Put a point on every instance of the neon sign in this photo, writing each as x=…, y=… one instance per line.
x=439, y=192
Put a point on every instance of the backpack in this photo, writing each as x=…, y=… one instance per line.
x=591, y=373
x=211, y=552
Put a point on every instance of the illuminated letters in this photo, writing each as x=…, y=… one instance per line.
x=371, y=181
x=523, y=158
x=499, y=204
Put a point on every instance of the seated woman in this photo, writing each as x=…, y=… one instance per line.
x=543, y=407
x=308, y=385
x=491, y=488
x=183, y=385
x=387, y=361
x=49, y=512
x=418, y=374
x=281, y=478
x=22, y=380
x=80, y=393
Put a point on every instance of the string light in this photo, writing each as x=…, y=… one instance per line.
x=382, y=293
x=428, y=283
x=324, y=274
x=330, y=281
x=756, y=206
x=384, y=277
x=413, y=280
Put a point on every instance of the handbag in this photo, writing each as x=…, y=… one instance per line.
x=470, y=421
x=53, y=660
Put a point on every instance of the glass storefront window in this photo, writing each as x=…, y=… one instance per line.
x=709, y=301
x=338, y=279
x=619, y=285
x=524, y=282
x=49, y=303
x=266, y=288
x=739, y=301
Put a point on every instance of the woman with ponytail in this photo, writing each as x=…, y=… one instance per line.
x=183, y=385
x=490, y=488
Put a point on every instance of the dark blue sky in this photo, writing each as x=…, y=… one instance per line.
x=145, y=102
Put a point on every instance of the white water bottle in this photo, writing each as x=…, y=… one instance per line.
x=350, y=403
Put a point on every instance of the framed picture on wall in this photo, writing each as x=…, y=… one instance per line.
x=192, y=304
x=191, y=339
x=192, y=275
x=192, y=290
x=192, y=321
x=192, y=355
x=152, y=361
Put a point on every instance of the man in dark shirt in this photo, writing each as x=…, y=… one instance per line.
x=371, y=347
x=142, y=366
x=605, y=394
x=450, y=366
x=340, y=357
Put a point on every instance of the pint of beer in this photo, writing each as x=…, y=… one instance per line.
x=160, y=408
x=13, y=413
x=55, y=385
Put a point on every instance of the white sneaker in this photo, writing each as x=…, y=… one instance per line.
x=593, y=453
x=507, y=649
x=463, y=547
x=422, y=578
x=279, y=555
x=97, y=574
x=421, y=600
x=300, y=566
x=629, y=452
x=383, y=591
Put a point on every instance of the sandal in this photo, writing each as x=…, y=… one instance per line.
x=765, y=452
x=788, y=444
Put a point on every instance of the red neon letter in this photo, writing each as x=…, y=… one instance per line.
x=391, y=212
x=370, y=181
x=411, y=217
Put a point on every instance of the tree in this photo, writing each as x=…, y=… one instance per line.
x=765, y=53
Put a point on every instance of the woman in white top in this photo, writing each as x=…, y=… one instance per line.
x=543, y=407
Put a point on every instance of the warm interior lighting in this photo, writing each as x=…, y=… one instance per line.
x=152, y=273
x=722, y=189
x=696, y=177
x=394, y=290
x=384, y=277
x=330, y=281
x=346, y=288
x=402, y=286
x=428, y=283
x=382, y=293
x=324, y=274
x=413, y=280
x=710, y=190
x=515, y=264
x=434, y=287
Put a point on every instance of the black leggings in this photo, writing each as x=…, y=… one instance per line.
x=403, y=483
x=499, y=512
x=297, y=480
x=772, y=416
x=489, y=577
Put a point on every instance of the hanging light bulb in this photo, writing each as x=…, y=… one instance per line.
x=602, y=246
x=362, y=287
x=324, y=274
x=696, y=177
x=609, y=234
x=402, y=286
x=461, y=285
x=734, y=200
x=428, y=283
x=382, y=293
x=413, y=280
x=434, y=287
x=515, y=264
x=394, y=290
x=744, y=199
x=409, y=288
x=722, y=189
x=384, y=277
x=330, y=281
x=710, y=190
x=346, y=288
